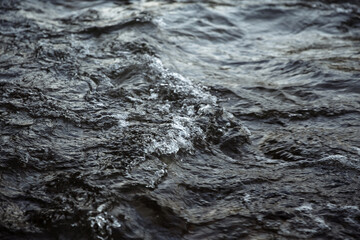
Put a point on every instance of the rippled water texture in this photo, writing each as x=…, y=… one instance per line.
x=179, y=119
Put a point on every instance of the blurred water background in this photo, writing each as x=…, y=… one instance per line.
x=179, y=119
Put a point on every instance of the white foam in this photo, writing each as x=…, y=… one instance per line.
x=180, y=84
x=122, y=119
x=165, y=108
x=101, y=207
x=160, y=22
x=116, y=223
x=153, y=96
x=178, y=136
x=343, y=10
x=247, y=198
x=321, y=223
x=307, y=207
x=98, y=220
x=206, y=109
x=357, y=150
x=104, y=222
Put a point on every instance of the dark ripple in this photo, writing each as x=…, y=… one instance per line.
x=102, y=139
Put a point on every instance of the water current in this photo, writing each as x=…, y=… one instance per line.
x=179, y=119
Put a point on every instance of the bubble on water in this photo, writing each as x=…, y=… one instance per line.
x=102, y=224
x=98, y=221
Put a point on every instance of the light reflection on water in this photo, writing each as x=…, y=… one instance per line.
x=179, y=119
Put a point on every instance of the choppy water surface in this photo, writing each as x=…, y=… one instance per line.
x=179, y=119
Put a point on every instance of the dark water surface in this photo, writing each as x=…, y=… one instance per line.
x=180, y=119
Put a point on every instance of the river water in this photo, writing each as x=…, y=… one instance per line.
x=179, y=119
